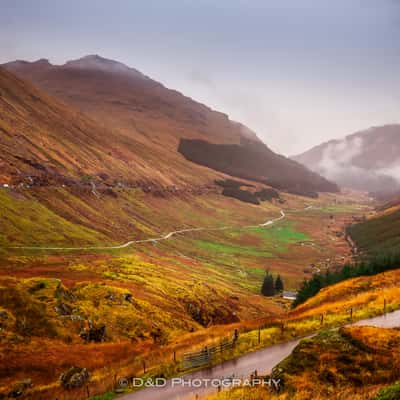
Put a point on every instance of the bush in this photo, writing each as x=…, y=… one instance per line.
x=390, y=393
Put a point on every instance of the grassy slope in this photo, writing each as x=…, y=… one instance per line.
x=24, y=221
x=379, y=233
x=353, y=363
x=177, y=286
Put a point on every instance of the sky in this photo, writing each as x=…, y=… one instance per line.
x=297, y=72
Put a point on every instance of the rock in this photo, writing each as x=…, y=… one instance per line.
x=63, y=308
x=37, y=286
x=128, y=297
x=94, y=334
x=75, y=377
x=62, y=293
x=110, y=192
x=158, y=335
x=4, y=318
x=20, y=388
x=110, y=296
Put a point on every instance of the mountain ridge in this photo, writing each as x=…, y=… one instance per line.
x=365, y=160
x=147, y=120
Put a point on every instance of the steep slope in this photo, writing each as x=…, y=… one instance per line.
x=345, y=364
x=152, y=119
x=367, y=160
x=379, y=233
x=256, y=161
x=42, y=137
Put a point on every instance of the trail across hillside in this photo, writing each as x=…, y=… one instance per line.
x=152, y=240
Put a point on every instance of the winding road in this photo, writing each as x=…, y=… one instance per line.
x=151, y=240
x=240, y=368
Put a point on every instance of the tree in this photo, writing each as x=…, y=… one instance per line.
x=278, y=284
x=267, y=288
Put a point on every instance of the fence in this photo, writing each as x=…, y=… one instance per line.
x=206, y=355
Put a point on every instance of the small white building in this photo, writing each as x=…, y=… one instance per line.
x=289, y=295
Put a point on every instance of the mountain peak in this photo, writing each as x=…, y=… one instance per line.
x=43, y=62
x=96, y=62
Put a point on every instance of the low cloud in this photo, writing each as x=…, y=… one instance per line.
x=339, y=163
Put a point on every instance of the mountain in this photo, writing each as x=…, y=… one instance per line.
x=148, y=123
x=366, y=160
x=43, y=140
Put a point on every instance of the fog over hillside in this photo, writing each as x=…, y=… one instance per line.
x=367, y=160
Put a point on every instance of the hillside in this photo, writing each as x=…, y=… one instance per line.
x=366, y=160
x=380, y=232
x=255, y=161
x=353, y=362
x=44, y=142
x=47, y=141
x=150, y=120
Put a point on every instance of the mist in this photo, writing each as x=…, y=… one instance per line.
x=366, y=160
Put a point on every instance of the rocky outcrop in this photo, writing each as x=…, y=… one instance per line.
x=20, y=388
x=74, y=378
x=94, y=334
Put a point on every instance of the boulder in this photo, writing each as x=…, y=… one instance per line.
x=20, y=388
x=128, y=297
x=94, y=334
x=63, y=308
x=75, y=377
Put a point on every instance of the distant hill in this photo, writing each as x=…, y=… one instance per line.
x=367, y=160
x=147, y=122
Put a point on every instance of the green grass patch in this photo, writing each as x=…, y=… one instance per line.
x=232, y=249
x=282, y=233
x=390, y=393
x=276, y=237
x=106, y=396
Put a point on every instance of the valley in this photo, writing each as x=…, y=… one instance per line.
x=214, y=276
x=138, y=225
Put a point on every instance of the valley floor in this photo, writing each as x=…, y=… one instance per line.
x=153, y=298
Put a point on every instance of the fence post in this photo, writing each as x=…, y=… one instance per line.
x=87, y=391
x=259, y=335
x=322, y=319
x=144, y=366
x=235, y=335
x=384, y=306
x=351, y=314
x=174, y=356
